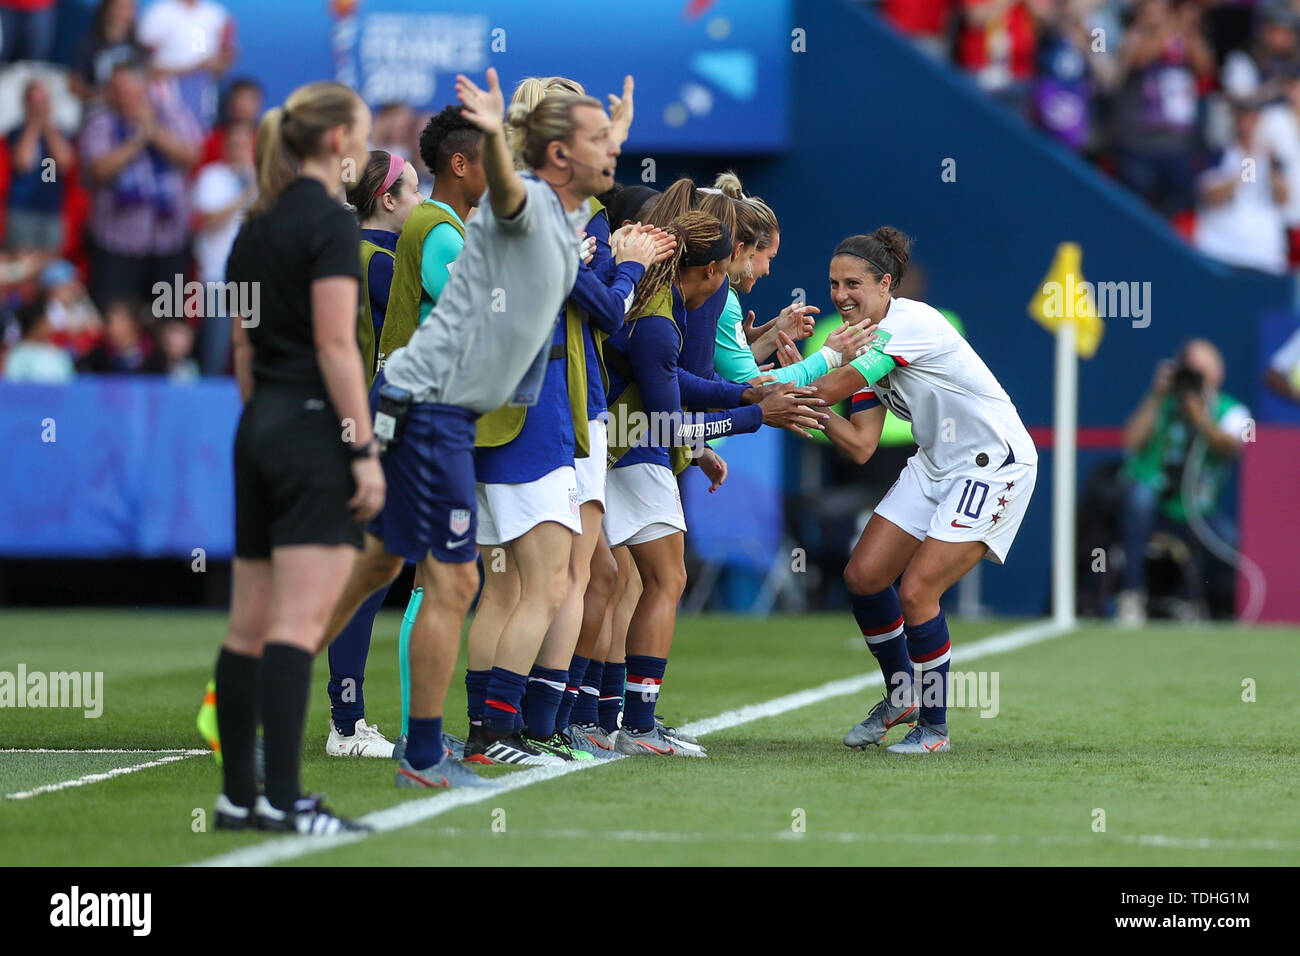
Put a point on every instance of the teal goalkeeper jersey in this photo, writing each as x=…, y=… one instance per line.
x=734, y=362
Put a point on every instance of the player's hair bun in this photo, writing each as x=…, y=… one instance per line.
x=728, y=184
x=886, y=251
x=517, y=115
x=899, y=245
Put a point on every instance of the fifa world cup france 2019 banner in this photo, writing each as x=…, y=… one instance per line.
x=711, y=75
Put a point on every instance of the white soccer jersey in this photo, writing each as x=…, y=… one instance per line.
x=962, y=419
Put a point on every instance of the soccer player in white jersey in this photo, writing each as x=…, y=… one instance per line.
x=960, y=498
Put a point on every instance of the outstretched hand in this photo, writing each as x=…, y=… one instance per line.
x=620, y=112
x=484, y=108
x=852, y=340
x=797, y=321
x=787, y=353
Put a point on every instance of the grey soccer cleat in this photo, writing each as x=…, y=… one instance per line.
x=654, y=743
x=453, y=745
x=673, y=731
x=592, y=739
x=884, y=715
x=923, y=739
x=445, y=774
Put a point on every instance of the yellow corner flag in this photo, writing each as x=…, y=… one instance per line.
x=1065, y=296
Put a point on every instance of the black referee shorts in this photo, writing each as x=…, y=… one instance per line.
x=293, y=476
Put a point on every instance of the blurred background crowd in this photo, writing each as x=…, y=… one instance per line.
x=127, y=166
x=131, y=163
x=1170, y=97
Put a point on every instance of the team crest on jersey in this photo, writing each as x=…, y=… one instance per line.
x=459, y=521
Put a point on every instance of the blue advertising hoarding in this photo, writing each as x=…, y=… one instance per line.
x=712, y=75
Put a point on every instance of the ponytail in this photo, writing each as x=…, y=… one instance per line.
x=697, y=234
x=291, y=133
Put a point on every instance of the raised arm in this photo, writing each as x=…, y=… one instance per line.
x=485, y=109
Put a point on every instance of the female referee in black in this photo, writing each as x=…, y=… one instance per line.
x=306, y=464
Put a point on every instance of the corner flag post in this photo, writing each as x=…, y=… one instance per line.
x=1064, y=463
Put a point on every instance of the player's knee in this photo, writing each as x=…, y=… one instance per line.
x=603, y=579
x=380, y=568
x=548, y=587
x=667, y=582
x=861, y=578
x=455, y=586
x=917, y=600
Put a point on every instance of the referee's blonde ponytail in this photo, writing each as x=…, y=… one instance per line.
x=291, y=133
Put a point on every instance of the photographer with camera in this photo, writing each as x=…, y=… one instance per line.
x=1181, y=442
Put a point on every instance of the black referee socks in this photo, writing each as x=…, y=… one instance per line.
x=286, y=683
x=237, y=707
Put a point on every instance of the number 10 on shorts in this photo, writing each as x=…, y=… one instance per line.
x=970, y=505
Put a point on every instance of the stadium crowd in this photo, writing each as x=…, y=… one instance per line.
x=130, y=165
x=133, y=163
x=1170, y=97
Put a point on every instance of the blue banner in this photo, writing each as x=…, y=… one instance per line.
x=711, y=75
x=118, y=466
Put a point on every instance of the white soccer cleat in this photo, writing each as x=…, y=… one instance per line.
x=366, y=741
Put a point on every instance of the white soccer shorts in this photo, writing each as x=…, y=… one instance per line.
x=642, y=503
x=506, y=512
x=591, y=470
x=984, y=504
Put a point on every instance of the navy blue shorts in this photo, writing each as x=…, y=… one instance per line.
x=431, y=506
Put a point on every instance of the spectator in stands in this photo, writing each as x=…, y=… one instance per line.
x=996, y=44
x=242, y=103
x=135, y=154
x=1163, y=59
x=222, y=192
x=1183, y=410
x=1283, y=374
x=1273, y=61
x=111, y=41
x=193, y=41
x=1065, y=86
x=927, y=23
x=1279, y=137
x=1241, y=218
x=41, y=159
x=395, y=130
x=74, y=320
x=176, y=347
x=26, y=30
x=126, y=348
x=35, y=358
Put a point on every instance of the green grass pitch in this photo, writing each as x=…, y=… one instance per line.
x=1147, y=727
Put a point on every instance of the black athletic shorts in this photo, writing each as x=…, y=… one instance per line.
x=293, y=476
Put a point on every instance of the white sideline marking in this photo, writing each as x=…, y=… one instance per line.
x=416, y=811
x=95, y=777
x=995, y=644
x=978, y=839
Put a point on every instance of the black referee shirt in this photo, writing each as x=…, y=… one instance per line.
x=306, y=235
